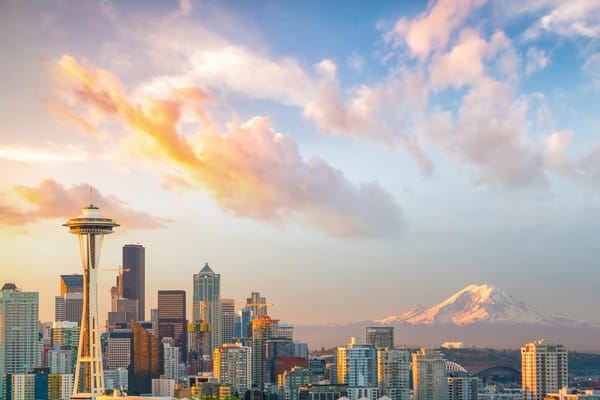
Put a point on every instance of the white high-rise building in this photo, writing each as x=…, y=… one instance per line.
x=544, y=369
x=171, y=360
x=60, y=361
x=357, y=368
x=429, y=375
x=18, y=331
x=232, y=365
x=393, y=374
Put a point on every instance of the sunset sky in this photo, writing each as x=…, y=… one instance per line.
x=349, y=160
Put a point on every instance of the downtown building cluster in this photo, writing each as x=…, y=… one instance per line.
x=230, y=350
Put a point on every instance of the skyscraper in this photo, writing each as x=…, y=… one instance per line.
x=357, y=366
x=171, y=318
x=262, y=329
x=380, y=337
x=145, y=362
x=232, y=365
x=393, y=373
x=227, y=319
x=544, y=369
x=69, y=305
x=207, y=305
x=18, y=330
x=429, y=375
x=134, y=276
x=257, y=304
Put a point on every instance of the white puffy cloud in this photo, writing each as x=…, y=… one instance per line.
x=537, y=59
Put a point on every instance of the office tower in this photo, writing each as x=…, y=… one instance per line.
x=171, y=359
x=18, y=330
x=171, y=318
x=59, y=308
x=207, y=305
x=118, y=349
x=227, y=319
x=317, y=367
x=73, y=307
x=429, y=375
x=116, y=379
x=544, y=369
x=323, y=392
x=68, y=306
x=134, y=277
x=357, y=367
x=60, y=386
x=277, y=348
x=257, y=304
x=232, y=365
x=285, y=331
x=145, y=363
x=262, y=329
x=380, y=337
x=243, y=323
x=393, y=367
x=163, y=387
x=59, y=361
x=290, y=381
x=462, y=388
x=90, y=227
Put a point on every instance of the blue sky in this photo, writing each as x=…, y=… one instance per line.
x=322, y=153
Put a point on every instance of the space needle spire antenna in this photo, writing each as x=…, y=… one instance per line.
x=90, y=227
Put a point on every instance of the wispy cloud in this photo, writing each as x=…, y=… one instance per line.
x=20, y=205
x=249, y=169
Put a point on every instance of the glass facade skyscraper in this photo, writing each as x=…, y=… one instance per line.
x=207, y=305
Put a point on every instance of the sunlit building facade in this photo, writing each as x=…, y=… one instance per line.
x=544, y=369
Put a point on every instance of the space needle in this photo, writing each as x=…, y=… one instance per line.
x=90, y=227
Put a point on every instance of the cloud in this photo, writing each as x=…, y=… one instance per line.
x=234, y=69
x=38, y=155
x=592, y=68
x=52, y=200
x=248, y=169
x=536, y=60
x=433, y=29
x=491, y=134
x=555, y=157
x=382, y=112
x=567, y=18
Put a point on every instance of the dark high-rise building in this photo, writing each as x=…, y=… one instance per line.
x=257, y=304
x=145, y=361
x=69, y=305
x=171, y=318
x=262, y=330
x=380, y=337
x=134, y=276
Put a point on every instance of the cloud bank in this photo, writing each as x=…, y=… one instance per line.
x=52, y=200
x=249, y=169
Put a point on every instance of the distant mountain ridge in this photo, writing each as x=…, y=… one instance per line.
x=476, y=304
x=478, y=315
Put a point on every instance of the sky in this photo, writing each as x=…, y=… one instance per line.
x=349, y=160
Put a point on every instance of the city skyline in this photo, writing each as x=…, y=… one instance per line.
x=379, y=147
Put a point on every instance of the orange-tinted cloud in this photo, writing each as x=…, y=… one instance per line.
x=52, y=200
x=249, y=169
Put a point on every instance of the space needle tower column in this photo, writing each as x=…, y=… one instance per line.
x=90, y=227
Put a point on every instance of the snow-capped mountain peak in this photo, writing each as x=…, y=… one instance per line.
x=475, y=303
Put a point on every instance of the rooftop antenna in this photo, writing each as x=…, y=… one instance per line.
x=91, y=195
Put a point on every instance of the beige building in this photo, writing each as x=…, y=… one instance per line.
x=544, y=369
